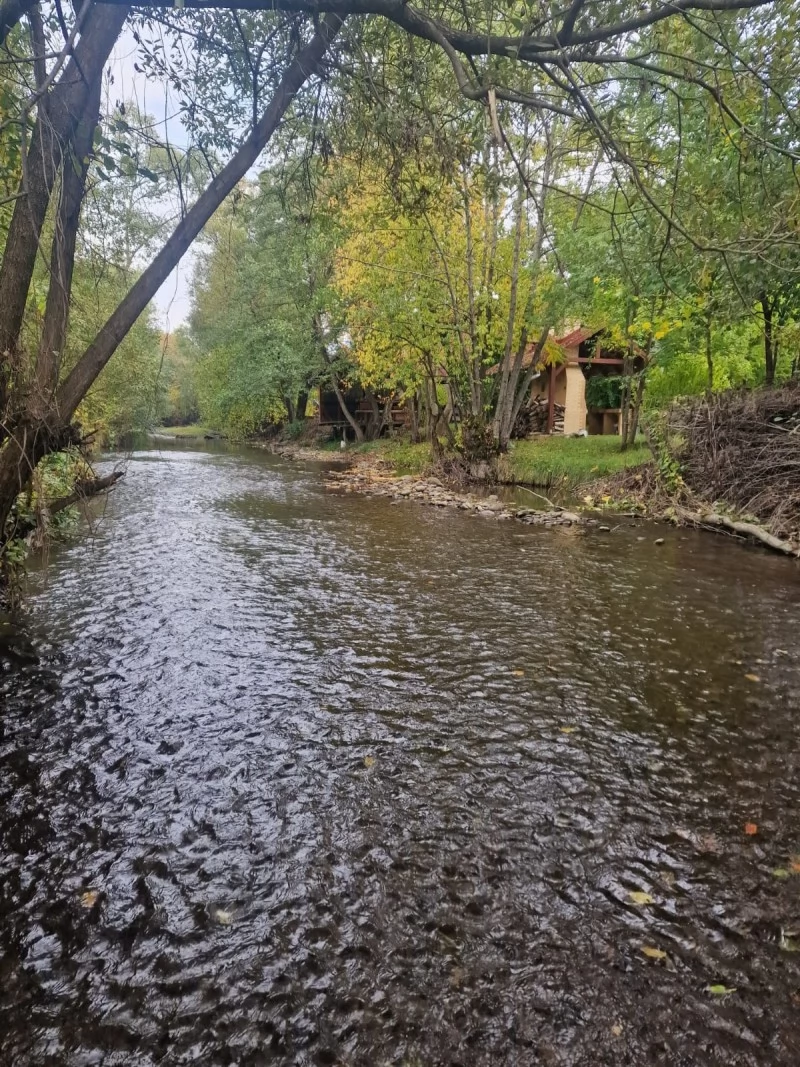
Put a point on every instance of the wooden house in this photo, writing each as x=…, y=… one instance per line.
x=563, y=388
x=363, y=407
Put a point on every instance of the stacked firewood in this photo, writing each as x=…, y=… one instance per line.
x=532, y=418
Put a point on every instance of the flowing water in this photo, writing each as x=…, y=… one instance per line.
x=296, y=777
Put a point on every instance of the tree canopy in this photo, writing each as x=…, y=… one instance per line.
x=446, y=186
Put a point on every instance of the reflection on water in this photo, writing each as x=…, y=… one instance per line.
x=288, y=777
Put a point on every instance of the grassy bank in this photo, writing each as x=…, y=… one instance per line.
x=195, y=430
x=547, y=462
x=571, y=461
x=405, y=457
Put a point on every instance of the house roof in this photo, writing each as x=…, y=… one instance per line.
x=530, y=350
x=576, y=337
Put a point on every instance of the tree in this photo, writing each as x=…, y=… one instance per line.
x=563, y=63
x=260, y=291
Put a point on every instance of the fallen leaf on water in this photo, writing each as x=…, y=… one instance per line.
x=750, y=828
x=794, y=863
x=752, y=678
x=369, y=761
x=225, y=918
x=706, y=843
x=89, y=898
x=654, y=953
x=518, y=674
x=788, y=942
x=640, y=898
x=568, y=729
x=616, y=1030
x=780, y=872
x=719, y=990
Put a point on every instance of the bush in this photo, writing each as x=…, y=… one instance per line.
x=604, y=391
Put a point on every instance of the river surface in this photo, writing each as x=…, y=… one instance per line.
x=289, y=776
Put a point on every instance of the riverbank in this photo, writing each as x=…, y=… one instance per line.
x=186, y=433
x=591, y=468
x=375, y=478
x=548, y=463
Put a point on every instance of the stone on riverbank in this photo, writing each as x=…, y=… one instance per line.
x=375, y=479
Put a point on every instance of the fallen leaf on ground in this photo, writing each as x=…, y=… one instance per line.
x=654, y=953
x=719, y=990
x=518, y=674
x=369, y=761
x=750, y=828
x=640, y=898
x=89, y=898
x=707, y=843
x=752, y=678
x=568, y=729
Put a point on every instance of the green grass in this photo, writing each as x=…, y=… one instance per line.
x=406, y=457
x=571, y=461
x=195, y=430
x=549, y=462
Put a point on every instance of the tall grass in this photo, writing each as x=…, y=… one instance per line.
x=566, y=462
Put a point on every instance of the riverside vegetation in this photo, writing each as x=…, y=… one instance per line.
x=446, y=191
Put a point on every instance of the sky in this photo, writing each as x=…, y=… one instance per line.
x=152, y=97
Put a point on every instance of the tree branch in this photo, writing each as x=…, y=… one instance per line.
x=305, y=63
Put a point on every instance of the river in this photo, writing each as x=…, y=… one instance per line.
x=290, y=776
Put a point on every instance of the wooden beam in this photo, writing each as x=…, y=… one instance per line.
x=551, y=399
x=604, y=359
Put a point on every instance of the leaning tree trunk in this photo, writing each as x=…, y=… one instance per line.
x=31, y=439
x=59, y=118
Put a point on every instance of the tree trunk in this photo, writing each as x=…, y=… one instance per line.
x=62, y=263
x=625, y=403
x=302, y=404
x=31, y=439
x=11, y=11
x=52, y=142
x=352, y=423
x=636, y=407
x=770, y=344
x=374, y=425
x=304, y=64
x=509, y=368
x=523, y=387
x=413, y=411
x=709, y=358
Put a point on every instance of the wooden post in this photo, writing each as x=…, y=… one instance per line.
x=551, y=399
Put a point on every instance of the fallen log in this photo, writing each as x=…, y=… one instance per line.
x=85, y=489
x=744, y=529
